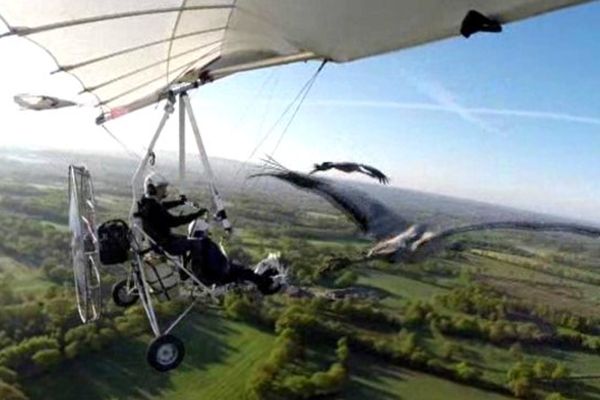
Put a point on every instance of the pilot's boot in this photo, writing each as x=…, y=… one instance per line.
x=266, y=284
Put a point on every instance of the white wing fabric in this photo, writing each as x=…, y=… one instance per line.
x=129, y=52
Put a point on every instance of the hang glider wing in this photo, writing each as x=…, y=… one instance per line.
x=128, y=53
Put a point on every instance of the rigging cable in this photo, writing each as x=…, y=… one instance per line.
x=127, y=150
x=310, y=84
x=299, y=99
x=263, y=118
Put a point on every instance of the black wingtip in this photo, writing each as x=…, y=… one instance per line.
x=475, y=22
x=316, y=168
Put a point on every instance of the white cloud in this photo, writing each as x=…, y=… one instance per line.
x=467, y=113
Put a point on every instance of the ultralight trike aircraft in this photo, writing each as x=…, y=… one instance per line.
x=130, y=54
x=151, y=270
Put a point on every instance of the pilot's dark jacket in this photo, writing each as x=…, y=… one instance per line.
x=209, y=263
x=157, y=221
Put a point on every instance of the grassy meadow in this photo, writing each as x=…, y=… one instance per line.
x=501, y=316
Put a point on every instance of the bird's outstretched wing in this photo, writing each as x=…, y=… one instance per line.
x=324, y=166
x=369, y=215
x=349, y=167
x=375, y=173
x=40, y=102
x=576, y=229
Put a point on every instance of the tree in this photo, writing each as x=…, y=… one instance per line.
x=73, y=349
x=521, y=387
x=300, y=386
x=407, y=343
x=497, y=332
x=7, y=375
x=9, y=392
x=449, y=350
x=5, y=340
x=519, y=370
x=516, y=351
x=348, y=278
x=560, y=372
x=542, y=369
x=329, y=381
x=7, y=295
x=46, y=359
x=60, y=311
x=555, y=396
x=19, y=356
x=342, y=351
x=465, y=372
x=238, y=306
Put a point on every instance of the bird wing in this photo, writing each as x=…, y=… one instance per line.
x=375, y=173
x=576, y=229
x=324, y=166
x=41, y=102
x=346, y=166
x=371, y=216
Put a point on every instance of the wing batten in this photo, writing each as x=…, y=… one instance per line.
x=253, y=34
x=155, y=64
x=26, y=31
x=67, y=68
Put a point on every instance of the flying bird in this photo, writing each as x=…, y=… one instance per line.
x=397, y=239
x=41, y=102
x=349, y=167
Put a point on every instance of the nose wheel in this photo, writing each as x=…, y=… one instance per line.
x=165, y=353
x=123, y=294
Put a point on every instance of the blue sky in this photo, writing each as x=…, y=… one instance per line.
x=511, y=118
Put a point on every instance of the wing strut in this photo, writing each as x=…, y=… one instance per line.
x=185, y=107
x=220, y=213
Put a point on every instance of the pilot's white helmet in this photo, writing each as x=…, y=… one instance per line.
x=153, y=181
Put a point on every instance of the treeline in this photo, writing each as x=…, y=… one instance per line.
x=327, y=321
x=400, y=339
x=33, y=242
x=486, y=302
x=571, y=274
x=493, y=245
x=38, y=336
x=524, y=378
x=52, y=205
x=273, y=379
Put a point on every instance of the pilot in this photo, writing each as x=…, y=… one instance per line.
x=208, y=261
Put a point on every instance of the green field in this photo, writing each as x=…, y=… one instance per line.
x=23, y=279
x=398, y=287
x=464, y=309
x=219, y=358
x=220, y=355
x=375, y=380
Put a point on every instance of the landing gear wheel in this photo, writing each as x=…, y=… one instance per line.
x=122, y=294
x=165, y=353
